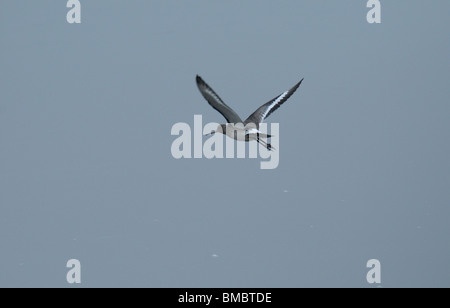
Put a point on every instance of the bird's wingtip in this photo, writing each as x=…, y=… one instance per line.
x=199, y=80
x=298, y=84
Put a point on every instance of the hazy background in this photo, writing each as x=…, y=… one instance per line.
x=86, y=170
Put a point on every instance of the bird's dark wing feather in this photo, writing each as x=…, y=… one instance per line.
x=266, y=110
x=216, y=102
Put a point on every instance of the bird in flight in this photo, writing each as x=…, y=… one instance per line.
x=236, y=128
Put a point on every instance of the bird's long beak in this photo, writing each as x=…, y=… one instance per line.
x=211, y=133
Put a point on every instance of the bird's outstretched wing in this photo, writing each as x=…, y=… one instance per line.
x=265, y=110
x=216, y=102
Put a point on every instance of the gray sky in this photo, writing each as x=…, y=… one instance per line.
x=86, y=170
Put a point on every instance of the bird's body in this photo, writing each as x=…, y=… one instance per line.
x=237, y=129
